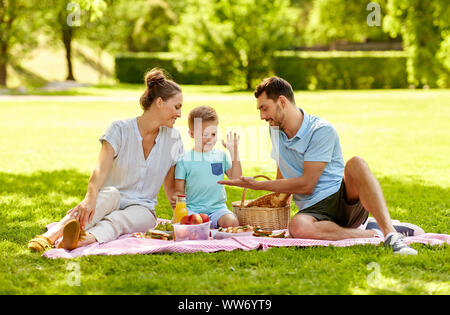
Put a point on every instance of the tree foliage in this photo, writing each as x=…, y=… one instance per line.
x=332, y=20
x=18, y=28
x=424, y=27
x=233, y=39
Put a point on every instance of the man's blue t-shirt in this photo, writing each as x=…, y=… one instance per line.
x=317, y=141
x=201, y=171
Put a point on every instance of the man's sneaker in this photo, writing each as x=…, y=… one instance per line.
x=406, y=229
x=398, y=245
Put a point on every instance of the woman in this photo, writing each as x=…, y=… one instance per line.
x=137, y=156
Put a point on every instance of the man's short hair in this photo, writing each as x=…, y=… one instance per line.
x=205, y=113
x=274, y=87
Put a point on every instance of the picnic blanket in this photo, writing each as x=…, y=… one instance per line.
x=130, y=245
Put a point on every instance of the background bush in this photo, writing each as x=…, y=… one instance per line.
x=304, y=70
x=342, y=70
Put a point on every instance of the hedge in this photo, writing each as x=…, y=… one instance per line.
x=304, y=70
x=131, y=67
x=342, y=70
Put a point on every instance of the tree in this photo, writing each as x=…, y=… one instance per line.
x=425, y=29
x=17, y=30
x=66, y=18
x=151, y=30
x=332, y=20
x=233, y=39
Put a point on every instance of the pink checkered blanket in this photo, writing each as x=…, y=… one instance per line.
x=130, y=245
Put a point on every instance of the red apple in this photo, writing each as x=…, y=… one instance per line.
x=195, y=219
x=205, y=217
x=184, y=220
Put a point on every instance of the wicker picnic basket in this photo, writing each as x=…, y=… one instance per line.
x=270, y=211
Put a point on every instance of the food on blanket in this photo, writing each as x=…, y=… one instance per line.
x=259, y=232
x=166, y=226
x=185, y=220
x=161, y=235
x=236, y=229
x=184, y=232
x=195, y=219
x=279, y=234
x=273, y=200
x=181, y=233
x=205, y=217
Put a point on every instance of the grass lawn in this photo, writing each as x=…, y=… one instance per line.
x=49, y=148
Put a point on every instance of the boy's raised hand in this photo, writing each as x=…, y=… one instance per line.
x=232, y=145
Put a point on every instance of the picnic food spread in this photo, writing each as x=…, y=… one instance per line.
x=257, y=231
x=196, y=218
x=268, y=233
x=236, y=229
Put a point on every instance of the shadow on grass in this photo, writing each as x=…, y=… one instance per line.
x=29, y=202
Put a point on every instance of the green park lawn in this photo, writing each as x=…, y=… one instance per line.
x=49, y=147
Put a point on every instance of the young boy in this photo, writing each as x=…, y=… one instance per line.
x=200, y=169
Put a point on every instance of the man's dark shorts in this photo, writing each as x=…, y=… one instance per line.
x=335, y=208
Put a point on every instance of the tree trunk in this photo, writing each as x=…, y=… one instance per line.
x=67, y=39
x=248, y=80
x=3, y=73
x=3, y=65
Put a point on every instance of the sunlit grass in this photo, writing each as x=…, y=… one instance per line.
x=49, y=148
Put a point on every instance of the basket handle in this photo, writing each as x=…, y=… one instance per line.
x=245, y=189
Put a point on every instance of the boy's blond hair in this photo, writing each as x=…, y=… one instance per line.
x=206, y=113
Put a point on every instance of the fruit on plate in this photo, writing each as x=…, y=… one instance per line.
x=195, y=219
x=205, y=217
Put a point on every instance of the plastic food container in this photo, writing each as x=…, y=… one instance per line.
x=184, y=232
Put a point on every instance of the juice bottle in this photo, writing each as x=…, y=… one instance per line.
x=180, y=209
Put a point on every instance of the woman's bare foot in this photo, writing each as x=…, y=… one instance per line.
x=87, y=240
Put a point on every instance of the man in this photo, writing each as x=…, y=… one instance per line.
x=334, y=199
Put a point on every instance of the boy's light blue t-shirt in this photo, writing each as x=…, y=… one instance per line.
x=201, y=171
x=318, y=141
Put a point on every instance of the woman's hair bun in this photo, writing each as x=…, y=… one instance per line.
x=158, y=85
x=154, y=77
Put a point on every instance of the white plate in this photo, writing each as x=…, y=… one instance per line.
x=222, y=235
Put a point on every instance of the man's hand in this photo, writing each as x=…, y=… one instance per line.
x=245, y=182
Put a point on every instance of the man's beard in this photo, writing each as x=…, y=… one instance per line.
x=279, y=119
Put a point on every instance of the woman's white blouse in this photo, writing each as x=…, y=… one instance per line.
x=138, y=179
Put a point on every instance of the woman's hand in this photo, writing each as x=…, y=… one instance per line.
x=84, y=211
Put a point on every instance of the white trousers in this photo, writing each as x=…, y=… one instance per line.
x=109, y=222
